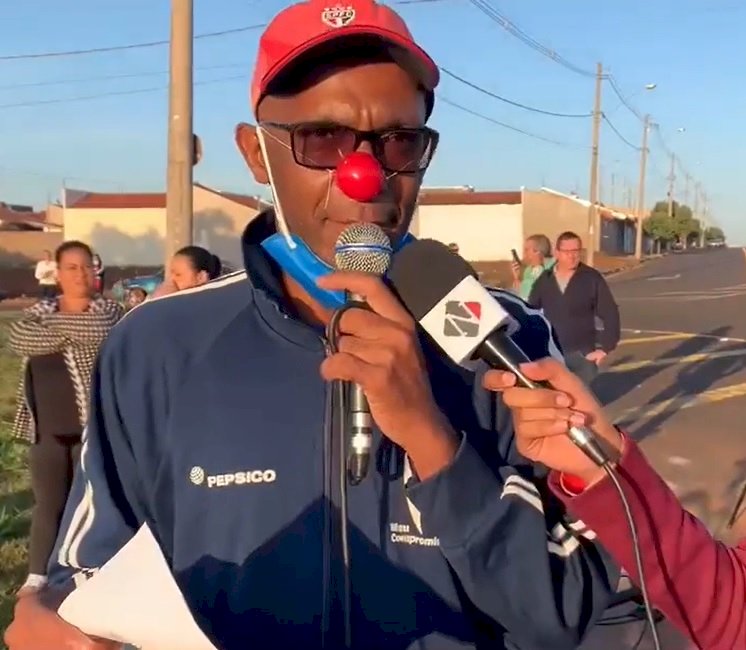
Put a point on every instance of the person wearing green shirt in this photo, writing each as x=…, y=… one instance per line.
x=537, y=258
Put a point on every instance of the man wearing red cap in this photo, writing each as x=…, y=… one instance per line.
x=214, y=423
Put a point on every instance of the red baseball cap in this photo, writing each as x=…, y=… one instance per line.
x=306, y=25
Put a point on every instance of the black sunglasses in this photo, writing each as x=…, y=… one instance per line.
x=322, y=145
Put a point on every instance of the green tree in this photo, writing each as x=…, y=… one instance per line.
x=680, y=227
x=713, y=233
x=684, y=223
x=659, y=227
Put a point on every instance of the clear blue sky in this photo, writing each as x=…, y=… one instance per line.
x=692, y=49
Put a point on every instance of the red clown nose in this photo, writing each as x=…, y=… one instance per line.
x=360, y=176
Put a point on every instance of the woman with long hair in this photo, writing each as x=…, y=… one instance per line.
x=191, y=266
x=58, y=339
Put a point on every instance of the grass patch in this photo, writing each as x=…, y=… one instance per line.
x=15, y=494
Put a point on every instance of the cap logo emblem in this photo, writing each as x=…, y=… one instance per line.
x=338, y=16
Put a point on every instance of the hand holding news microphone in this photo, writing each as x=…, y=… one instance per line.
x=542, y=417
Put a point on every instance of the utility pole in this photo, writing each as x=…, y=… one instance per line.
x=704, y=218
x=179, y=211
x=641, y=188
x=594, y=230
x=687, y=178
x=671, y=180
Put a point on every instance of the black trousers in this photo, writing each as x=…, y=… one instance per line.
x=580, y=366
x=52, y=461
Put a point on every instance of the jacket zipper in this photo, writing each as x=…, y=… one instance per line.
x=328, y=476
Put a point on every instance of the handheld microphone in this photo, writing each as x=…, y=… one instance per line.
x=441, y=291
x=362, y=247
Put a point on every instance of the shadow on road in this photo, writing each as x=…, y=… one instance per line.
x=610, y=386
x=691, y=380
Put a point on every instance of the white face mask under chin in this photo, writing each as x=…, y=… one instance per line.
x=282, y=225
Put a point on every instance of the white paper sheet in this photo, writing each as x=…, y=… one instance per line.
x=134, y=599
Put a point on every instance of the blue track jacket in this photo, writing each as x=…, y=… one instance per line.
x=211, y=424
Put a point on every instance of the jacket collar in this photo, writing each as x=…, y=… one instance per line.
x=262, y=271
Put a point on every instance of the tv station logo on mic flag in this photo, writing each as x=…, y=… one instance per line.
x=462, y=318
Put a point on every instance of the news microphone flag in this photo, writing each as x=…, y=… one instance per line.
x=461, y=316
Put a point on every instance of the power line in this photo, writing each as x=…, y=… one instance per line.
x=115, y=93
x=471, y=84
x=509, y=26
x=510, y=127
x=618, y=133
x=148, y=44
x=514, y=30
x=109, y=77
x=119, y=48
x=625, y=102
x=489, y=93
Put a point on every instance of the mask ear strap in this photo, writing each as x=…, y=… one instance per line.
x=282, y=225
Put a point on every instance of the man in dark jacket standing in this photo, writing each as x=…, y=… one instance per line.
x=573, y=295
x=223, y=434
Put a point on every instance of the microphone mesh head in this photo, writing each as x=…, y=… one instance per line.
x=363, y=247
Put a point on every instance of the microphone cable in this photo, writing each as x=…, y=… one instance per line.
x=635, y=538
x=332, y=338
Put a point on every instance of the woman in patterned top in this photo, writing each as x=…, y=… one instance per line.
x=58, y=339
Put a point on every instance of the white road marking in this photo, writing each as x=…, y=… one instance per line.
x=656, y=278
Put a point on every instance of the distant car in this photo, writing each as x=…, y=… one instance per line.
x=3, y=295
x=148, y=283
x=716, y=243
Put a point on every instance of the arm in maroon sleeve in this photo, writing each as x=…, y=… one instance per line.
x=696, y=581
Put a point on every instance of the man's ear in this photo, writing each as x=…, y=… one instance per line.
x=247, y=141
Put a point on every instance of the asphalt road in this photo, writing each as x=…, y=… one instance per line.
x=677, y=383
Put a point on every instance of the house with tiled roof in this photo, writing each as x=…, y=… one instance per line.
x=23, y=218
x=129, y=229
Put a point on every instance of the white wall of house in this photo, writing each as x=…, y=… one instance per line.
x=484, y=233
x=136, y=236
x=121, y=236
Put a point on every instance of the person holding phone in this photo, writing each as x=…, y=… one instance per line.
x=537, y=258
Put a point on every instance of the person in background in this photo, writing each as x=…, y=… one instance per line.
x=698, y=582
x=58, y=339
x=190, y=267
x=453, y=247
x=573, y=295
x=46, y=275
x=98, y=273
x=135, y=297
x=537, y=258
